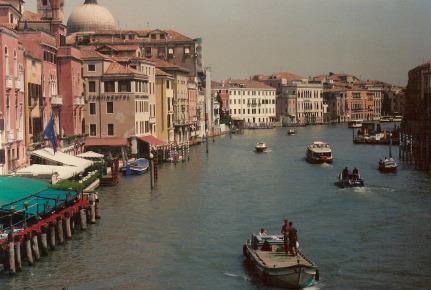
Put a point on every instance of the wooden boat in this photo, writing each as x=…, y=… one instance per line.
x=350, y=181
x=136, y=167
x=319, y=152
x=260, y=147
x=275, y=267
x=388, y=165
x=291, y=132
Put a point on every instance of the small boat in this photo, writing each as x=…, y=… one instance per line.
x=260, y=147
x=319, y=152
x=388, y=166
x=355, y=124
x=397, y=118
x=350, y=181
x=291, y=132
x=275, y=267
x=136, y=167
x=385, y=119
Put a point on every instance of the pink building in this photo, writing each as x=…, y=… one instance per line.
x=71, y=90
x=12, y=111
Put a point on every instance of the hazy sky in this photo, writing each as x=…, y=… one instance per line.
x=374, y=39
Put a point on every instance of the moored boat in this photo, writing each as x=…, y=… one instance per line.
x=275, y=267
x=136, y=167
x=319, y=152
x=388, y=166
x=260, y=147
x=355, y=124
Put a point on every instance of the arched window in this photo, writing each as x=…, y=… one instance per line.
x=6, y=60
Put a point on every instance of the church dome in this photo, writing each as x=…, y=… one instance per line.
x=90, y=16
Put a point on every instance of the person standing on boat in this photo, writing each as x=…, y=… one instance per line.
x=285, y=231
x=293, y=238
x=263, y=233
x=345, y=173
x=355, y=174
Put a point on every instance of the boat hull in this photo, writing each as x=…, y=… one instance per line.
x=319, y=160
x=295, y=277
x=383, y=169
x=350, y=183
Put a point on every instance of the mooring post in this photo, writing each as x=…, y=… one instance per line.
x=67, y=226
x=60, y=231
x=98, y=216
x=11, y=246
x=28, y=250
x=83, y=218
x=44, y=241
x=18, y=261
x=35, y=246
x=52, y=235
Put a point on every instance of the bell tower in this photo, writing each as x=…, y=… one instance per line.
x=51, y=9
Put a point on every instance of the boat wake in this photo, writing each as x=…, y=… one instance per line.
x=236, y=276
x=326, y=165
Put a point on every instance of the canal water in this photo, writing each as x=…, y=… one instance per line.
x=188, y=234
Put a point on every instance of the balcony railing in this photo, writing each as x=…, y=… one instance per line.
x=9, y=82
x=57, y=101
x=11, y=137
x=19, y=86
x=78, y=101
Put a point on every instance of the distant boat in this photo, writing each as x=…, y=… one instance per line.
x=291, y=132
x=260, y=147
x=388, y=165
x=319, y=152
x=355, y=124
x=277, y=268
x=398, y=118
x=136, y=167
x=350, y=181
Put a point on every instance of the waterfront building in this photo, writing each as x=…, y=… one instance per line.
x=193, y=92
x=164, y=107
x=220, y=92
x=416, y=133
x=251, y=102
x=12, y=110
x=309, y=101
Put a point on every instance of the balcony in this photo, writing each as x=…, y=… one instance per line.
x=19, y=85
x=9, y=82
x=57, y=101
x=11, y=137
x=78, y=101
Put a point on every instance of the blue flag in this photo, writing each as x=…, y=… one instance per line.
x=49, y=133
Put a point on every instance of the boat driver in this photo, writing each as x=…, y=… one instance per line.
x=285, y=231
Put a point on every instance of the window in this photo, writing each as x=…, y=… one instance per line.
x=110, y=129
x=110, y=107
x=109, y=87
x=91, y=67
x=186, y=50
x=124, y=86
x=148, y=51
x=92, y=87
x=92, y=108
x=93, y=130
x=45, y=2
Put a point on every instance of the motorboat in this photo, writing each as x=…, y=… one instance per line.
x=319, y=152
x=397, y=118
x=388, y=166
x=136, y=167
x=260, y=147
x=351, y=180
x=354, y=124
x=276, y=267
x=291, y=132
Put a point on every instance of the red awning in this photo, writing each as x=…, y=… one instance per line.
x=108, y=142
x=153, y=141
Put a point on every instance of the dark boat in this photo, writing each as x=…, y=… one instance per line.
x=260, y=147
x=291, y=132
x=350, y=181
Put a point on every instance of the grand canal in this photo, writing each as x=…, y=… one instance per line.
x=188, y=234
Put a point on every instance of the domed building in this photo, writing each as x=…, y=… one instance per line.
x=90, y=16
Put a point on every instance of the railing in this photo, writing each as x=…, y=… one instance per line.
x=11, y=136
x=57, y=100
x=78, y=101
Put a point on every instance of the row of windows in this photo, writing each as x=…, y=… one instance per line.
x=141, y=107
x=251, y=101
x=252, y=93
x=109, y=108
x=142, y=127
x=310, y=106
x=252, y=111
x=93, y=130
x=309, y=94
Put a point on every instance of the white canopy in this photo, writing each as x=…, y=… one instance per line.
x=38, y=170
x=90, y=154
x=63, y=158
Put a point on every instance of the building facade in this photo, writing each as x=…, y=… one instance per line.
x=164, y=107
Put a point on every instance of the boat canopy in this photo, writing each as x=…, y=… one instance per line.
x=62, y=158
x=90, y=154
x=38, y=170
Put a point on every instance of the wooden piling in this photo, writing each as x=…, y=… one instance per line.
x=93, y=213
x=60, y=233
x=35, y=247
x=52, y=240
x=44, y=241
x=98, y=216
x=11, y=246
x=83, y=218
x=67, y=226
x=18, y=260
x=28, y=251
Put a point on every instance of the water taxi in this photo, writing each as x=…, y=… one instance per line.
x=355, y=124
x=260, y=147
x=291, y=132
x=319, y=152
x=275, y=267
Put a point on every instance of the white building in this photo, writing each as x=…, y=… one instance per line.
x=309, y=101
x=251, y=102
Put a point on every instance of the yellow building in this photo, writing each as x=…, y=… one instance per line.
x=164, y=106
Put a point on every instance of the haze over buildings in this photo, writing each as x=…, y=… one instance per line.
x=373, y=39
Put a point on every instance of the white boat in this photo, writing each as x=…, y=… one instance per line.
x=260, y=147
x=355, y=124
x=319, y=152
x=275, y=267
x=388, y=166
x=398, y=118
x=291, y=132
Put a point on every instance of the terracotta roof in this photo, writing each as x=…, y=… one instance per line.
x=286, y=75
x=161, y=73
x=117, y=69
x=159, y=63
x=89, y=52
x=150, y=139
x=247, y=84
x=107, y=142
x=121, y=47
